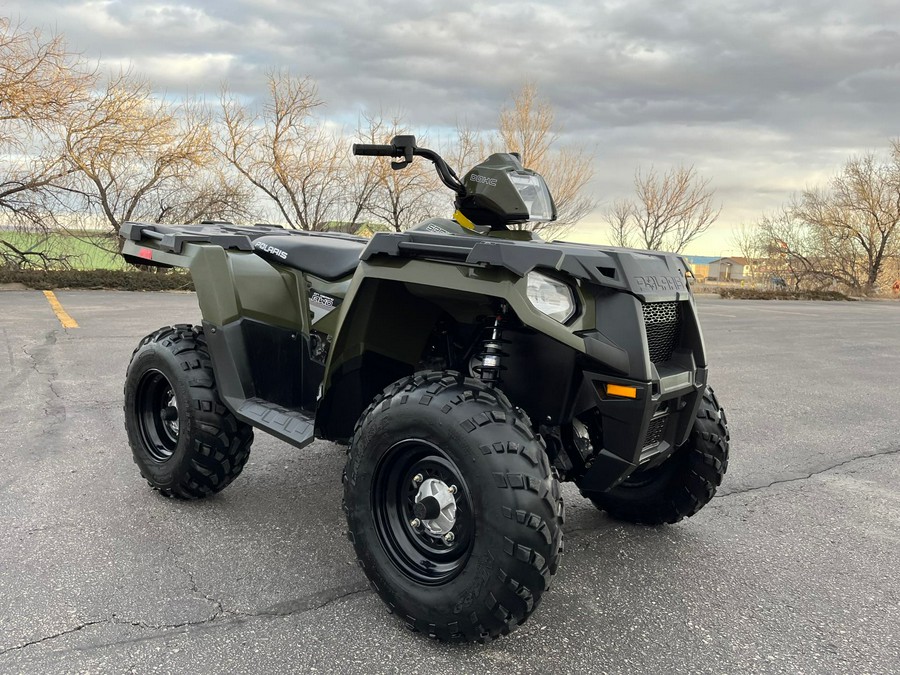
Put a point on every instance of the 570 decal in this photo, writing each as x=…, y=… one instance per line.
x=659, y=283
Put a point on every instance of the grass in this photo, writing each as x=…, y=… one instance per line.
x=83, y=252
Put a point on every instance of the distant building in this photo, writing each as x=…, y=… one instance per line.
x=729, y=269
x=700, y=265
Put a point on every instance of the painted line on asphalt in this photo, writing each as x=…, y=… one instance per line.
x=61, y=314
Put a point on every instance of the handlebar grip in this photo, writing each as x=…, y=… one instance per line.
x=373, y=150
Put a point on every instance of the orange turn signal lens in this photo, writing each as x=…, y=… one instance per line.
x=619, y=390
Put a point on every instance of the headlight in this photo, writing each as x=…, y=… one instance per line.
x=535, y=194
x=550, y=297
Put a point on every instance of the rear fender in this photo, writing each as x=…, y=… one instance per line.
x=251, y=310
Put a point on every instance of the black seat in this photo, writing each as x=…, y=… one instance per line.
x=321, y=255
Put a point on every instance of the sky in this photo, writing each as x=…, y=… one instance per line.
x=763, y=97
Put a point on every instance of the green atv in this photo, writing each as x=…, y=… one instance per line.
x=469, y=367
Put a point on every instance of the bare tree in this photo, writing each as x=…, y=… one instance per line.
x=845, y=234
x=857, y=219
x=789, y=250
x=300, y=164
x=41, y=82
x=668, y=211
x=211, y=193
x=620, y=219
x=133, y=151
x=528, y=127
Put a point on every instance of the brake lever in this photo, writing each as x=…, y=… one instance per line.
x=408, y=149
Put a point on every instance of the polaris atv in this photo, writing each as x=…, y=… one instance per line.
x=468, y=366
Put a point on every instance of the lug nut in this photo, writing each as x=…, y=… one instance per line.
x=452, y=489
x=449, y=537
x=415, y=522
x=417, y=479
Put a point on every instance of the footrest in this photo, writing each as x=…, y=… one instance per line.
x=296, y=427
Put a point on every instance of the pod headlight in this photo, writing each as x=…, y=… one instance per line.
x=550, y=297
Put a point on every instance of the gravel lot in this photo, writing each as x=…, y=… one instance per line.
x=792, y=568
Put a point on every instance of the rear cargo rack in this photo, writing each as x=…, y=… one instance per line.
x=172, y=238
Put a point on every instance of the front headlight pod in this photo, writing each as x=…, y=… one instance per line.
x=550, y=297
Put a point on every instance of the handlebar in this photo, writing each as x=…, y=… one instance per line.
x=405, y=147
x=448, y=175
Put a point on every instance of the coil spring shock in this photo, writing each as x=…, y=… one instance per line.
x=492, y=351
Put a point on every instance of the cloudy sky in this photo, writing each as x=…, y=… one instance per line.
x=764, y=97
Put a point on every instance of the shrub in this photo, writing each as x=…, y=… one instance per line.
x=96, y=279
x=781, y=294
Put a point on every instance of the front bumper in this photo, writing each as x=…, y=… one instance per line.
x=640, y=431
x=656, y=348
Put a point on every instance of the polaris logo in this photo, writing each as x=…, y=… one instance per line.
x=475, y=178
x=266, y=248
x=658, y=283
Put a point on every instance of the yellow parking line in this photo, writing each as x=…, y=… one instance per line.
x=61, y=314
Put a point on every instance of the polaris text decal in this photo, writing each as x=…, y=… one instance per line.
x=262, y=246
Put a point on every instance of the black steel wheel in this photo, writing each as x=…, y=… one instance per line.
x=157, y=415
x=452, y=507
x=183, y=439
x=434, y=550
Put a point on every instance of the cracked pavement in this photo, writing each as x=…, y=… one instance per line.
x=792, y=568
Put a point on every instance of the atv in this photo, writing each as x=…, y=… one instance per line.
x=469, y=367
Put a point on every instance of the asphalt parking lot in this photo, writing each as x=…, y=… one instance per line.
x=792, y=568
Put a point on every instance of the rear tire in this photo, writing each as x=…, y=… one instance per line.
x=681, y=485
x=186, y=443
x=507, y=513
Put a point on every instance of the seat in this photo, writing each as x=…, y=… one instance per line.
x=320, y=255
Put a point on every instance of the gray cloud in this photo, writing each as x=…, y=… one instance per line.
x=764, y=98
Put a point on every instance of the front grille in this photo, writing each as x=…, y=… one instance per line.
x=662, y=321
x=655, y=431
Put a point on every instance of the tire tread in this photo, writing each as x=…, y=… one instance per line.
x=221, y=444
x=533, y=538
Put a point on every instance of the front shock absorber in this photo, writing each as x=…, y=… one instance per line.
x=492, y=350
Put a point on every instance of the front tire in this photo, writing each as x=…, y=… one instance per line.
x=681, y=485
x=478, y=567
x=185, y=442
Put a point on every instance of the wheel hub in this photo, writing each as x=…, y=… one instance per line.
x=169, y=414
x=436, y=506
